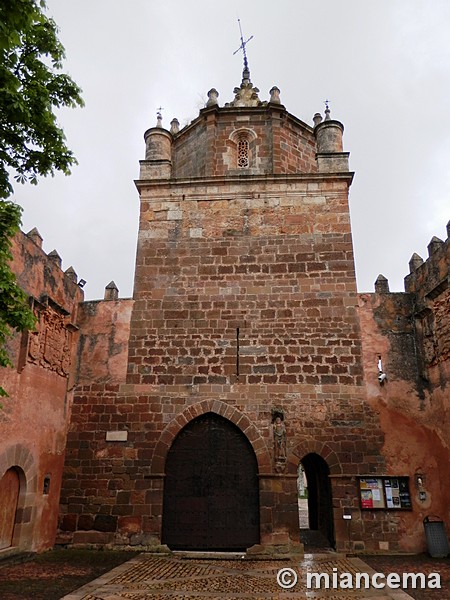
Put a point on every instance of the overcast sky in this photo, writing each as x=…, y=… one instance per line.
x=383, y=64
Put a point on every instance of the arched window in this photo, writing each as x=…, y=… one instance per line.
x=242, y=150
x=243, y=154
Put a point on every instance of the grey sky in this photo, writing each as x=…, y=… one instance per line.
x=383, y=64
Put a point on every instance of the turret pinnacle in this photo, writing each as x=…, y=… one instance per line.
x=246, y=94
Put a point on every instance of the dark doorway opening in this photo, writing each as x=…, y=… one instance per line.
x=211, y=488
x=315, y=503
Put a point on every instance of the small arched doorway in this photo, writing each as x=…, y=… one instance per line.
x=211, y=489
x=9, y=498
x=315, y=503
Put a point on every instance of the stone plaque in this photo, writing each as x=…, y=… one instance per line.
x=116, y=436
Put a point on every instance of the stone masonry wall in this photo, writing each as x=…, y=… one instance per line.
x=215, y=260
x=279, y=143
x=272, y=259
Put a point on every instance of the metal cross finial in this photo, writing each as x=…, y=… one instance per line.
x=326, y=102
x=242, y=46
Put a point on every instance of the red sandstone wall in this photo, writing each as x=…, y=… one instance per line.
x=34, y=418
x=275, y=259
x=213, y=259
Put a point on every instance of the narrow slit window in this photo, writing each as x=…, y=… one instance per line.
x=243, y=153
x=46, y=487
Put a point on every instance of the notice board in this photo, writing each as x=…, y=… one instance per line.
x=391, y=493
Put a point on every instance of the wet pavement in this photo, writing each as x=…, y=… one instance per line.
x=178, y=577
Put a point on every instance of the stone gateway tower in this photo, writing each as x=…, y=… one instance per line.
x=244, y=354
x=239, y=367
x=245, y=320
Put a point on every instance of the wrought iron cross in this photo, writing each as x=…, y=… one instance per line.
x=243, y=44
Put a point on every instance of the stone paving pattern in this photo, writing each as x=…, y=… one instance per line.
x=150, y=577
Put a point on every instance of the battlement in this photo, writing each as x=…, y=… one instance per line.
x=411, y=329
x=430, y=278
x=41, y=275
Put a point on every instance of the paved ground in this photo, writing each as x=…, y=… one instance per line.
x=150, y=577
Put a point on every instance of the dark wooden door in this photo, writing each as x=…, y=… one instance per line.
x=211, y=491
x=9, y=495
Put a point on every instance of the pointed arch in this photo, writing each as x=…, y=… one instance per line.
x=220, y=408
x=311, y=446
x=211, y=488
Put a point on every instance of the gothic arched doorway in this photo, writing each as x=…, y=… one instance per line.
x=211, y=490
x=9, y=497
x=320, y=523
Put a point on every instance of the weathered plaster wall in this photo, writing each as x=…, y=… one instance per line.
x=411, y=332
x=102, y=354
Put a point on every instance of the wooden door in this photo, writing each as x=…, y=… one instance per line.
x=211, y=490
x=9, y=496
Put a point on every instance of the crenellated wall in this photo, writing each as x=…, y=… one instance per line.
x=410, y=332
x=35, y=416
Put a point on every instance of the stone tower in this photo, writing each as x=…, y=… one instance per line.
x=244, y=309
x=244, y=348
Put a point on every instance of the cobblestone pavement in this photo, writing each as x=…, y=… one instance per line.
x=150, y=577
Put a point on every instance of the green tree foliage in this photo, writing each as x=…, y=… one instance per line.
x=14, y=311
x=31, y=142
x=31, y=87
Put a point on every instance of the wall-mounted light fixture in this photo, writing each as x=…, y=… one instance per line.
x=382, y=377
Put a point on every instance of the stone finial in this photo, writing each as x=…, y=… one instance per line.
x=158, y=119
x=174, y=126
x=34, y=235
x=111, y=291
x=275, y=95
x=55, y=258
x=381, y=285
x=317, y=119
x=246, y=95
x=415, y=262
x=70, y=273
x=213, y=96
x=327, y=111
x=435, y=244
